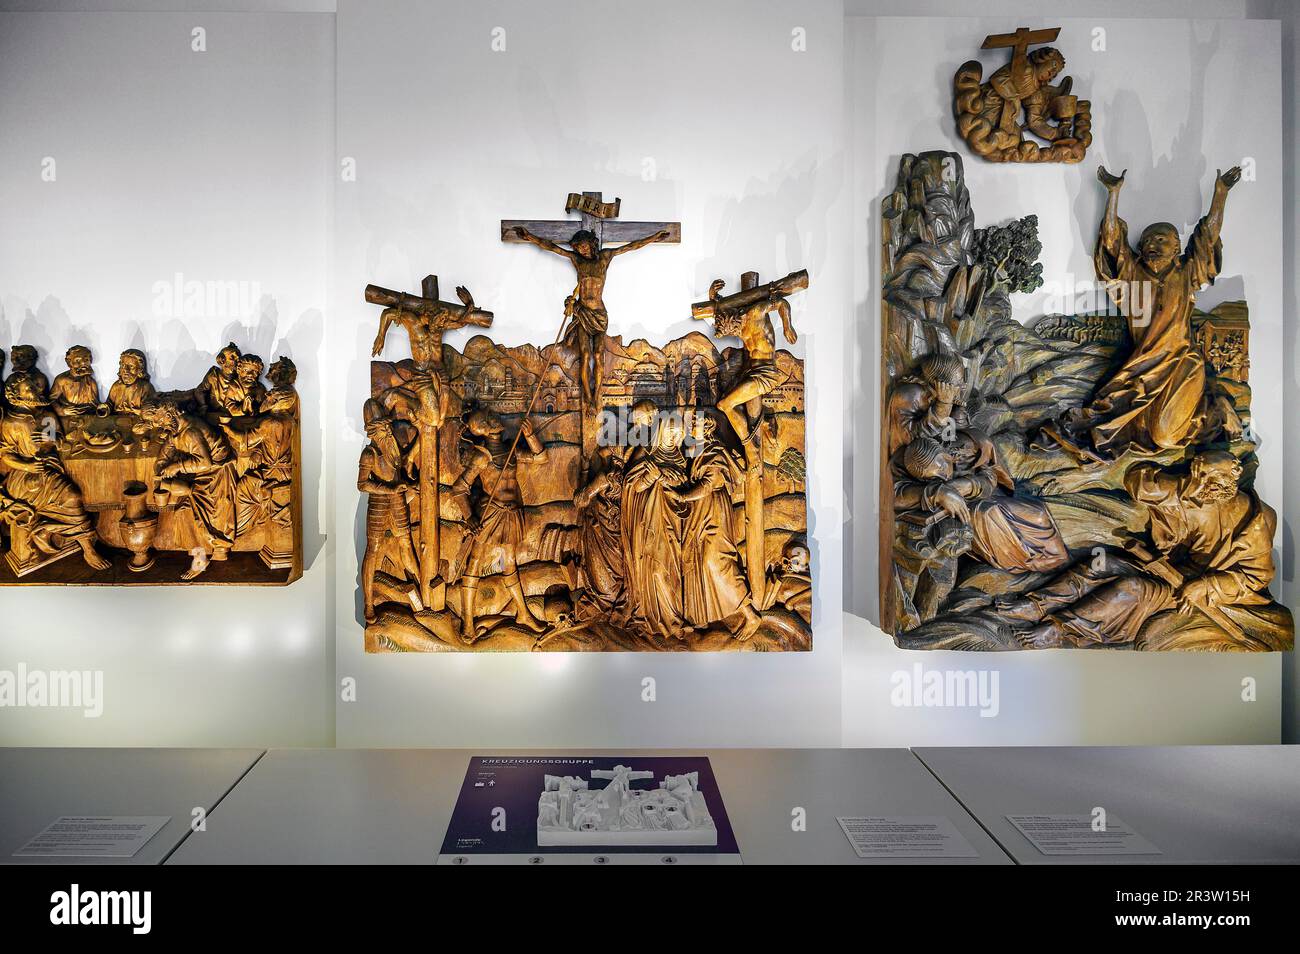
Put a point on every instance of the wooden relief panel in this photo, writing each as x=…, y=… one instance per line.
x=1080, y=481
x=1022, y=112
x=137, y=487
x=591, y=493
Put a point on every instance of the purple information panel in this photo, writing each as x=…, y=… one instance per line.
x=604, y=810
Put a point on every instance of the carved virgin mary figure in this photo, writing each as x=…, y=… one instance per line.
x=652, y=523
x=714, y=584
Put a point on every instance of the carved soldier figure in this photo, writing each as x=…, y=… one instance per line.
x=132, y=388
x=75, y=392
x=1157, y=399
x=219, y=390
x=381, y=475
x=37, y=479
x=584, y=310
x=496, y=528
x=1217, y=539
x=196, y=467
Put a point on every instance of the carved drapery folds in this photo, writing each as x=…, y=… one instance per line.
x=143, y=487
x=589, y=494
x=1080, y=481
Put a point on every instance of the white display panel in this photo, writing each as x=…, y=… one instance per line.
x=704, y=114
x=212, y=165
x=1168, y=97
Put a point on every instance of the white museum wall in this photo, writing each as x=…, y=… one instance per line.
x=1167, y=97
x=214, y=165
x=702, y=114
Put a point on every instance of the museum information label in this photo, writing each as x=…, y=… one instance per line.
x=906, y=836
x=1075, y=835
x=93, y=836
x=601, y=810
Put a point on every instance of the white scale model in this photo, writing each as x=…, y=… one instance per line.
x=674, y=814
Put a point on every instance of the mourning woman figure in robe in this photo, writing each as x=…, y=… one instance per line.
x=652, y=524
x=714, y=586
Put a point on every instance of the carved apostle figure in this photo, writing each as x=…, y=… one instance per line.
x=265, y=489
x=584, y=310
x=132, y=388
x=381, y=476
x=75, y=392
x=1157, y=399
x=219, y=390
x=496, y=527
x=1011, y=533
x=22, y=363
x=715, y=589
x=653, y=523
x=927, y=403
x=252, y=392
x=1216, y=539
x=53, y=514
x=195, y=469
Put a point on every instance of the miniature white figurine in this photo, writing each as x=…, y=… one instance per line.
x=675, y=813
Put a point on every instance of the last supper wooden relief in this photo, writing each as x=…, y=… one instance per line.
x=141, y=486
x=587, y=493
x=1083, y=480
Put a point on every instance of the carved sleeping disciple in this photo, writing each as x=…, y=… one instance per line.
x=1011, y=533
x=927, y=403
x=1216, y=539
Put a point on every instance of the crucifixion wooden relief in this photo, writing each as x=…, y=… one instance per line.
x=587, y=494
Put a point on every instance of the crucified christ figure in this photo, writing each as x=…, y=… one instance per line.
x=584, y=310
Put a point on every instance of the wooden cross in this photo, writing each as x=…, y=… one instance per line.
x=595, y=216
x=441, y=316
x=1021, y=40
